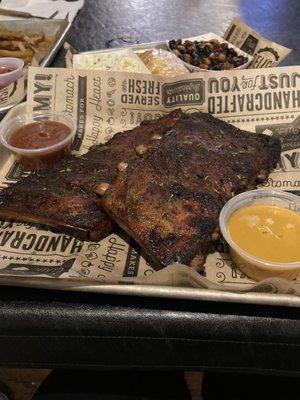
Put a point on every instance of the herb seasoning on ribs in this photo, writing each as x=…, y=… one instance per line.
x=170, y=200
x=66, y=195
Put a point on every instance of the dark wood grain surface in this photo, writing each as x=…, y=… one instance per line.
x=152, y=20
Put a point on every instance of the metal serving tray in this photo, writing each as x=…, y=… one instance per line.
x=134, y=47
x=59, y=27
x=154, y=291
x=138, y=289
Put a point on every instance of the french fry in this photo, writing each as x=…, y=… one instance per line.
x=37, y=38
x=10, y=35
x=23, y=45
x=20, y=45
x=16, y=53
x=8, y=45
x=28, y=60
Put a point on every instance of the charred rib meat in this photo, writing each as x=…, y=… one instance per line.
x=66, y=195
x=170, y=200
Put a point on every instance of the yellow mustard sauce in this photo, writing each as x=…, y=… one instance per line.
x=268, y=232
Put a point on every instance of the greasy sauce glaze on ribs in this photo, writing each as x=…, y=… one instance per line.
x=66, y=195
x=169, y=201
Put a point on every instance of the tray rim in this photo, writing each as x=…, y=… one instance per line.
x=168, y=292
x=137, y=46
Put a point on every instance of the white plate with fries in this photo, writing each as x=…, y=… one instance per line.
x=34, y=41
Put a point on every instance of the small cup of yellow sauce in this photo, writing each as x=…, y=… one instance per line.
x=262, y=228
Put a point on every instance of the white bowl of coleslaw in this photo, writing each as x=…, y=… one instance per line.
x=124, y=60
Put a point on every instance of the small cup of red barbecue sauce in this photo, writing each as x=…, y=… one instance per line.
x=11, y=69
x=38, y=138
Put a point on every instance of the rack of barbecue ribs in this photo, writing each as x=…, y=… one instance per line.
x=66, y=195
x=163, y=182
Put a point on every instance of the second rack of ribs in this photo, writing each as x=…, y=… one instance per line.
x=169, y=202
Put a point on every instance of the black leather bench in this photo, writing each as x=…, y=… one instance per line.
x=51, y=329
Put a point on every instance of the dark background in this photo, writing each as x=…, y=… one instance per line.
x=154, y=20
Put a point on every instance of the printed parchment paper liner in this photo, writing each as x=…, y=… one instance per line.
x=265, y=101
x=265, y=52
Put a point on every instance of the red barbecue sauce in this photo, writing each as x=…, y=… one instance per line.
x=5, y=70
x=39, y=135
